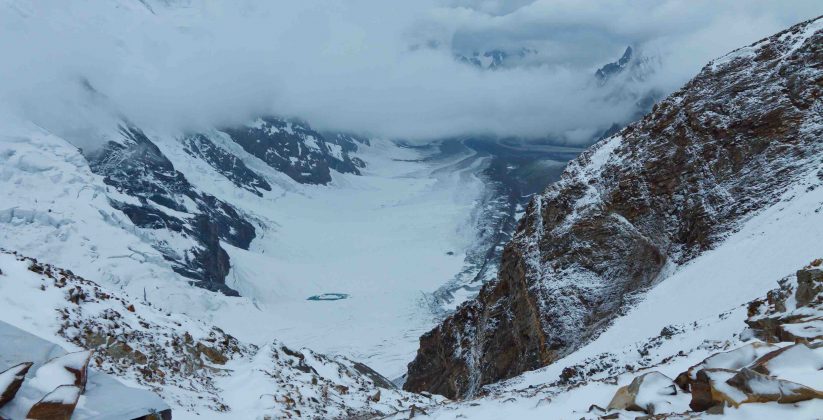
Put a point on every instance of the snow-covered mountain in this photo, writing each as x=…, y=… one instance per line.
x=662, y=224
x=231, y=225
x=185, y=225
x=256, y=267
x=149, y=212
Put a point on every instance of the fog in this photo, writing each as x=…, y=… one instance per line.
x=380, y=67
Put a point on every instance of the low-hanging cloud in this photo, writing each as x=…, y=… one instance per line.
x=382, y=67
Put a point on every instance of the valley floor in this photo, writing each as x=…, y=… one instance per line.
x=384, y=239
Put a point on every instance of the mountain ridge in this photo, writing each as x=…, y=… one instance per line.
x=658, y=193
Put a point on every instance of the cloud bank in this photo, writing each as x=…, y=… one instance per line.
x=382, y=67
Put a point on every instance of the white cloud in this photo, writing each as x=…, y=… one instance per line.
x=385, y=67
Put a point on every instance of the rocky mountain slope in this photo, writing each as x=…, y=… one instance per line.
x=193, y=366
x=187, y=225
x=713, y=365
x=635, y=207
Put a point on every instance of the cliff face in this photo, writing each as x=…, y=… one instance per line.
x=653, y=196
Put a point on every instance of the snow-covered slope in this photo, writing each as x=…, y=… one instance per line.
x=638, y=206
x=699, y=310
x=104, y=397
x=197, y=369
x=138, y=229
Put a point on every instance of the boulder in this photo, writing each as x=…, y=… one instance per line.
x=732, y=360
x=646, y=393
x=809, y=285
x=801, y=363
x=56, y=405
x=10, y=381
x=778, y=317
x=724, y=387
x=762, y=388
x=709, y=388
x=68, y=369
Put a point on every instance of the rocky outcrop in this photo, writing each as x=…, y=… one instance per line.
x=224, y=162
x=729, y=360
x=76, y=364
x=722, y=387
x=646, y=393
x=56, y=405
x=10, y=381
x=794, y=311
x=156, y=197
x=194, y=366
x=658, y=193
x=131, y=339
x=293, y=148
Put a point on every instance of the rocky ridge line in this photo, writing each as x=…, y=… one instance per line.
x=655, y=195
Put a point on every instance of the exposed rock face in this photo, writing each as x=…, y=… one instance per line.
x=56, y=405
x=616, y=67
x=10, y=381
x=227, y=164
x=165, y=200
x=809, y=286
x=780, y=318
x=660, y=192
x=295, y=149
x=187, y=225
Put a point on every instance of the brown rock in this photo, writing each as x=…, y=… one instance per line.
x=643, y=393
x=56, y=405
x=78, y=364
x=214, y=355
x=16, y=374
x=725, y=387
x=762, y=388
x=705, y=394
x=809, y=285
x=732, y=360
x=776, y=318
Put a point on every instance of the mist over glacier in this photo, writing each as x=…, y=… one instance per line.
x=385, y=69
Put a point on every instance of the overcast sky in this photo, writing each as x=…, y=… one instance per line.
x=383, y=67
